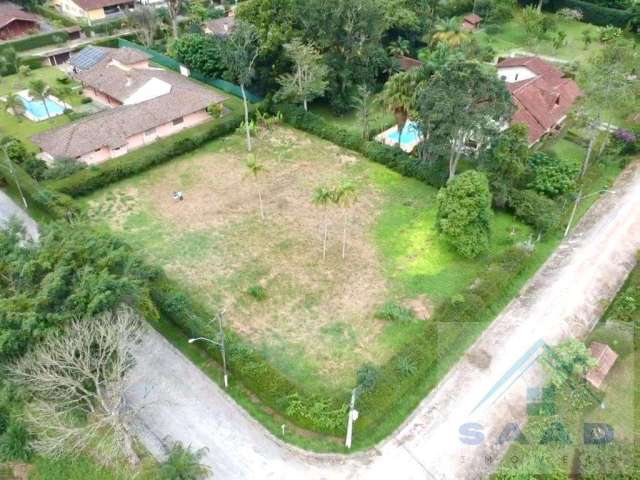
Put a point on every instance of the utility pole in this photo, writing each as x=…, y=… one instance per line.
x=353, y=416
x=13, y=172
x=579, y=198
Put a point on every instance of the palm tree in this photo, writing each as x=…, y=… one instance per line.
x=40, y=90
x=321, y=197
x=399, y=97
x=364, y=103
x=255, y=168
x=184, y=464
x=450, y=31
x=14, y=104
x=399, y=47
x=344, y=196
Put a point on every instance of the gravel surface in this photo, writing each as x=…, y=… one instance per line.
x=564, y=298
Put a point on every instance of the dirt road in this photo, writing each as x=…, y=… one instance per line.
x=564, y=298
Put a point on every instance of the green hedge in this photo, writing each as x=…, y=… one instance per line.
x=52, y=14
x=592, y=13
x=96, y=177
x=392, y=157
x=322, y=415
x=36, y=41
x=54, y=203
x=107, y=26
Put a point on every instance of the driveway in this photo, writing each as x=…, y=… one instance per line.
x=564, y=298
x=9, y=209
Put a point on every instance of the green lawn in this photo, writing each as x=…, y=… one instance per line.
x=21, y=127
x=317, y=323
x=381, y=119
x=512, y=37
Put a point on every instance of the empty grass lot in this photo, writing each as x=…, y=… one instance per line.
x=317, y=321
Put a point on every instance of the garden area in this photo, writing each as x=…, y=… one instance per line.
x=55, y=82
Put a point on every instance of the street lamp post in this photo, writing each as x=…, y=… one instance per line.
x=218, y=344
x=579, y=198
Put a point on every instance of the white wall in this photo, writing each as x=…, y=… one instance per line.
x=515, y=74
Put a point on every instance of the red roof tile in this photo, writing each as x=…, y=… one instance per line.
x=543, y=101
x=473, y=19
x=9, y=12
x=605, y=357
x=408, y=63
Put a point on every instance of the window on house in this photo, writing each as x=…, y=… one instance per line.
x=150, y=132
x=178, y=121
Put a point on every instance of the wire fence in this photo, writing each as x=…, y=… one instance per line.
x=173, y=64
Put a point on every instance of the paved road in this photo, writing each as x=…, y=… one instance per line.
x=9, y=209
x=564, y=298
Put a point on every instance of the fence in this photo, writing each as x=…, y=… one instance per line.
x=173, y=64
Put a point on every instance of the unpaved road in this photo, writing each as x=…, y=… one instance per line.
x=564, y=298
x=9, y=209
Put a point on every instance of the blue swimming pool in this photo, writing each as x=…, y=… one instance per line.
x=410, y=134
x=37, y=110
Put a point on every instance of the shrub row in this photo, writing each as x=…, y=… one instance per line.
x=93, y=178
x=36, y=41
x=52, y=14
x=596, y=14
x=323, y=415
x=107, y=26
x=54, y=203
x=392, y=157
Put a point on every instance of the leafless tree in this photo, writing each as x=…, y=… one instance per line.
x=146, y=20
x=78, y=381
x=174, y=11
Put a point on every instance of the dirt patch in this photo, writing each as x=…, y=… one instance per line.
x=479, y=358
x=216, y=242
x=421, y=307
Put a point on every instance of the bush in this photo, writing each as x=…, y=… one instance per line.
x=14, y=443
x=535, y=209
x=36, y=41
x=96, y=177
x=367, y=376
x=258, y=292
x=393, y=312
x=52, y=14
x=85, y=100
x=551, y=176
x=595, y=14
x=63, y=168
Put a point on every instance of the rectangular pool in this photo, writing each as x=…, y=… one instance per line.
x=35, y=109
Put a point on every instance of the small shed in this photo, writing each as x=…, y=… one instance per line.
x=471, y=21
x=408, y=63
x=606, y=357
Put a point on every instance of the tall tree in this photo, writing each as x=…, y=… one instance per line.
x=364, y=102
x=14, y=103
x=308, y=78
x=255, y=168
x=40, y=90
x=463, y=102
x=239, y=59
x=146, y=21
x=5, y=144
x=322, y=196
x=464, y=213
x=344, y=195
x=174, y=6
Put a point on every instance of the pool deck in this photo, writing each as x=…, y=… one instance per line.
x=384, y=137
x=24, y=94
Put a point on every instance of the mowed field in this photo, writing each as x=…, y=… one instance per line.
x=317, y=322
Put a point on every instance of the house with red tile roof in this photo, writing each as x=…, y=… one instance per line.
x=15, y=22
x=471, y=21
x=408, y=63
x=93, y=9
x=542, y=94
x=605, y=357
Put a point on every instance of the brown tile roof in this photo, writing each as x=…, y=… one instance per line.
x=606, y=357
x=542, y=102
x=408, y=63
x=112, y=127
x=222, y=26
x=473, y=19
x=96, y=4
x=10, y=12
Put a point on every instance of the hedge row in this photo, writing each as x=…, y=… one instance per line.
x=595, y=14
x=322, y=415
x=107, y=26
x=93, y=178
x=54, y=203
x=392, y=157
x=52, y=14
x=36, y=41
